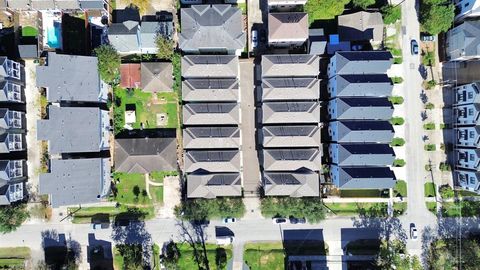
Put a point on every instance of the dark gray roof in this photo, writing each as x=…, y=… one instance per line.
x=371, y=85
x=363, y=177
x=290, y=88
x=211, y=114
x=211, y=137
x=361, y=26
x=362, y=108
x=210, y=90
x=157, y=76
x=124, y=36
x=212, y=161
x=76, y=181
x=318, y=41
x=291, y=159
x=362, y=154
x=295, y=136
x=214, y=185
x=288, y=65
x=371, y=62
x=146, y=155
x=74, y=129
x=290, y=112
x=361, y=131
x=464, y=40
x=292, y=184
x=211, y=26
x=210, y=66
x=82, y=83
x=27, y=51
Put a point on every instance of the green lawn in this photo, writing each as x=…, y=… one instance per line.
x=365, y=193
x=158, y=176
x=429, y=189
x=432, y=207
x=13, y=257
x=131, y=189
x=400, y=189
x=187, y=260
x=464, y=209
x=29, y=31
x=117, y=259
x=351, y=209
x=268, y=256
x=86, y=214
x=156, y=257
x=242, y=7
x=399, y=208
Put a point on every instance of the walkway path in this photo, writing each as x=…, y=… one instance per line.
x=149, y=183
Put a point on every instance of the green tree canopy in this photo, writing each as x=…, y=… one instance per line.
x=310, y=208
x=436, y=16
x=165, y=48
x=324, y=9
x=132, y=256
x=363, y=4
x=391, y=13
x=108, y=63
x=444, y=255
x=11, y=217
x=205, y=209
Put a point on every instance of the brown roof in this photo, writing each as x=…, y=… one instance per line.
x=285, y=26
x=130, y=76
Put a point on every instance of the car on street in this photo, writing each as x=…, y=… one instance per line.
x=279, y=220
x=198, y=222
x=294, y=220
x=413, y=232
x=357, y=47
x=100, y=225
x=414, y=47
x=225, y=240
x=426, y=38
x=254, y=38
x=229, y=220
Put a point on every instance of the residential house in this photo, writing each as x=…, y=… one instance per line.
x=76, y=181
x=467, y=93
x=10, y=69
x=75, y=130
x=300, y=112
x=210, y=186
x=468, y=136
x=156, y=77
x=287, y=29
x=43, y=4
x=146, y=155
x=361, y=85
x=292, y=184
x=317, y=41
x=221, y=90
x=361, y=26
x=19, y=4
x=68, y=4
x=211, y=29
x=191, y=2
x=360, y=131
x=290, y=89
x=205, y=114
x=11, y=142
x=465, y=9
x=10, y=119
x=468, y=180
x=212, y=161
x=468, y=158
x=130, y=75
x=285, y=4
x=362, y=177
x=290, y=65
x=368, y=154
x=12, y=169
x=209, y=66
x=28, y=51
x=125, y=37
x=463, y=42
x=290, y=136
x=348, y=62
x=87, y=5
x=211, y=137
x=467, y=114
x=149, y=31
x=292, y=159
x=12, y=181
x=370, y=108
x=83, y=83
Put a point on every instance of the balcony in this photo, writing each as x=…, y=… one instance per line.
x=15, y=192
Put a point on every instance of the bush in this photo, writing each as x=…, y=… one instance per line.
x=310, y=208
x=396, y=100
x=428, y=59
x=363, y=4
x=430, y=147
x=165, y=48
x=429, y=106
x=108, y=63
x=446, y=192
x=428, y=167
x=444, y=167
x=429, y=126
x=398, y=60
x=397, y=80
x=397, y=142
x=206, y=209
x=397, y=121
x=443, y=126
x=12, y=216
x=177, y=74
x=442, y=146
x=430, y=84
x=436, y=16
x=399, y=162
x=391, y=13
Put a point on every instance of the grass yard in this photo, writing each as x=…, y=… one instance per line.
x=117, y=259
x=242, y=7
x=156, y=257
x=268, y=256
x=87, y=214
x=429, y=189
x=14, y=257
x=464, y=209
x=29, y=31
x=400, y=189
x=432, y=207
x=158, y=176
x=131, y=189
x=399, y=208
x=353, y=209
x=365, y=193
x=187, y=260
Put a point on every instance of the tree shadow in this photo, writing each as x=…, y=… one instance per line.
x=134, y=233
x=60, y=252
x=194, y=235
x=388, y=227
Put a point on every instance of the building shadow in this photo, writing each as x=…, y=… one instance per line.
x=304, y=248
x=99, y=255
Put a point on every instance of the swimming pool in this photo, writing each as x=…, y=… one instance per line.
x=54, y=36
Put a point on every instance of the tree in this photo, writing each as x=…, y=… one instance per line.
x=391, y=13
x=444, y=254
x=446, y=192
x=171, y=256
x=310, y=208
x=165, y=48
x=363, y=4
x=324, y=9
x=12, y=216
x=436, y=16
x=108, y=63
x=205, y=209
x=132, y=256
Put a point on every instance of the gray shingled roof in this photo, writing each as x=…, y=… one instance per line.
x=464, y=40
x=148, y=33
x=214, y=185
x=145, y=155
x=290, y=88
x=43, y=4
x=157, y=76
x=292, y=184
x=211, y=137
x=363, y=177
x=194, y=90
x=82, y=83
x=361, y=131
x=91, y=4
x=211, y=26
x=67, y=4
x=360, y=26
x=362, y=108
x=286, y=159
x=371, y=85
x=27, y=51
x=74, y=129
x=125, y=36
x=372, y=62
x=283, y=65
x=290, y=112
x=362, y=154
x=210, y=66
x=212, y=161
x=211, y=114
x=291, y=136
x=76, y=181
x=19, y=4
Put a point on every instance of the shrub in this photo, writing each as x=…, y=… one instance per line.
x=428, y=59
x=442, y=146
x=165, y=48
x=398, y=60
x=446, y=192
x=397, y=121
x=444, y=167
x=396, y=100
x=397, y=80
x=391, y=13
x=443, y=126
x=428, y=167
x=399, y=162
x=108, y=63
x=363, y=4
x=430, y=147
x=397, y=142
x=429, y=106
x=429, y=126
x=430, y=84
x=324, y=9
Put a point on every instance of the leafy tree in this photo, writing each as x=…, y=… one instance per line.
x=363, y=4
x=391, y=13
x=172, y=255
x=310, y=208
x=436, y=16
x=443, y=254
x=446, y=192
x=132, y=256
x=12, y=216
x=392, y=256
x=205, y=209
x=165, y=48
x=324, y=9
x=108, y=63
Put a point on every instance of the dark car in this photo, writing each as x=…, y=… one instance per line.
x=200, y=222
x=414, y=47
x=294, y=220
x=279, y=220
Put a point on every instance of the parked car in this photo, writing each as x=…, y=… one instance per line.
x=200, y=222
x=279, y=220
x=294, y=220
x=427, y=38
x=357, y=47
x=254, y=38
x=414, y=47
x=413, y=232
x=100, y=225
x=225, y=240
x=229, y=220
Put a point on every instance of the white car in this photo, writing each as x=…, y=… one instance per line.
x=229, y=220
x=254, y=38
x=413, y=232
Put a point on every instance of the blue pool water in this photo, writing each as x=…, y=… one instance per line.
x=54, y=36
